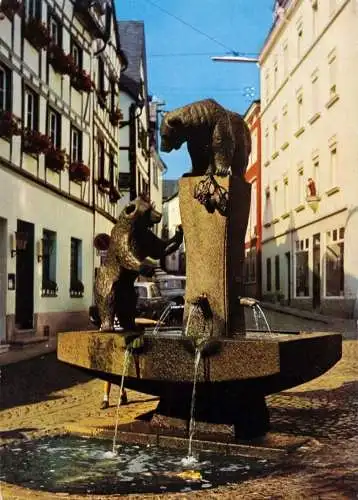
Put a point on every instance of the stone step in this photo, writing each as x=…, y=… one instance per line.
x=25, y=340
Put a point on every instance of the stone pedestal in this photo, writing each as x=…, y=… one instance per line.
x=215, y=251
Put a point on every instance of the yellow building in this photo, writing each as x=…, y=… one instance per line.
x=309, y=102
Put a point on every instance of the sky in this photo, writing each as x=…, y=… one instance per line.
x=181, y=35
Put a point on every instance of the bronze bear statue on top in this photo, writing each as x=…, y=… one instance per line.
x=132, y=246
x=218, y=140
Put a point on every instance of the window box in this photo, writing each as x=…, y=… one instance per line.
x=79, y=172
x=114, y=195
x=36, y=143
x=37, y=33
x=56, y=159
x=62, y=63
x=115, y=117
x=102, y=97
x=104, y=185
x=9, y=125
x=49, y=289
x=10, y=7
x=81, y=81
x=76, y=288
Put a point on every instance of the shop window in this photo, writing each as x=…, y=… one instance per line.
x=334, y=263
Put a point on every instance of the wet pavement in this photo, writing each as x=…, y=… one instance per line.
x=42, y=396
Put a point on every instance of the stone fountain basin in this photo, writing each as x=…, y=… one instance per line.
x=165, y=362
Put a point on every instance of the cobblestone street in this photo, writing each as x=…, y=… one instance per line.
x=42, y=396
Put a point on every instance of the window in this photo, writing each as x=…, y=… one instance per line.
x=315, y=93
x=275, y=75
x=31, y=110
x=285, y=125
x=76, y=287
x=277, y=272
x=76, y=53
x=334, y=263
x=54, y=127
x=333, y=166
x=285, y=59
x=49, y=286
x=76, y=144
x=267, y=87
x=332, y=63
x=250, y=265
x=302, y=273
x=299, y=111
x=253, y=208
x=268, y=275
x=315, y=173
x=5, y=89
x=33, y=9
x=267, y=144
x=254, y=146
x=285, y=195
x=112, y=166
x=314, y=4
x=101, y=159
x=155, y=174
x=55, y=31
x=100, y=81
x=300, y=186
x=275, y=136
x=299, y=41
x=113, y=96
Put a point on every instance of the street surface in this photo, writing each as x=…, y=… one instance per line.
x=43, y=396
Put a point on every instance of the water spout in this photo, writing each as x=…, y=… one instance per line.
x=248, y=301
x=124, y=372
x=192, y=407
x=257, y=311
x=263, y=316
x=162, y=318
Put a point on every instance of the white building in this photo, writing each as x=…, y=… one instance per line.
x=175, y=262
x=141, y=167
x=51, y=207
x=309, y=81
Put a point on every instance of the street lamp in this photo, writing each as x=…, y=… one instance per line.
x=237, y=59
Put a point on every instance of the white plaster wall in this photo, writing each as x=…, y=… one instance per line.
x=20, y=199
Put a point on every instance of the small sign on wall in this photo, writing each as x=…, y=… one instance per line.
x=11, y=281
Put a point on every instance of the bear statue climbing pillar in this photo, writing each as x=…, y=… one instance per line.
x=215, y=250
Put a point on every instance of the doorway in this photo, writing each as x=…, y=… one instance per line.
x=3, y=279
x=316, y=278
x=288, y=274
x=24, y=303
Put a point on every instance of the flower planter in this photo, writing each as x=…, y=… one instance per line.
x=78, y=172
x=76, y=289
x=9, y=125
x=104, y=185
x=56, y=159
x=36, y=143
x=115, y=117
x=49, y=289
x=114, y=195
x=10, y=7
x=62, y=63
x=81, y=81
x=37, y=33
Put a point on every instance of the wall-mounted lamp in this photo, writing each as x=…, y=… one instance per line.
x=18, y=242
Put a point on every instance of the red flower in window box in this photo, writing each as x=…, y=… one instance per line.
x=9, y=8
x=37, y=33
x=104, y=184
x=116, y=116
x=79, y=172
x=9, y=125
x=62, y=63
x=114, y=195
x=56, y=159
x=35, y=142
x=81, y=80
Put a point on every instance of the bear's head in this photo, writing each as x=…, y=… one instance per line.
x=142, y=212
x=171, y=133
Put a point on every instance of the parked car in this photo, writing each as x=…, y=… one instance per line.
x=150, y=303
x=173, y=288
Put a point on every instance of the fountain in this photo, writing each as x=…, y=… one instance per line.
x=236, y=371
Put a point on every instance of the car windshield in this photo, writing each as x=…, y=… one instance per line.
x=171, y=284
x=142, y=292
x=155, y=290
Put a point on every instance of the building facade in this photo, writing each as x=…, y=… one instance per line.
x=252, y=271
x=175, y=262
x=141, y=166
x=309, y=77
x=54, y=58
